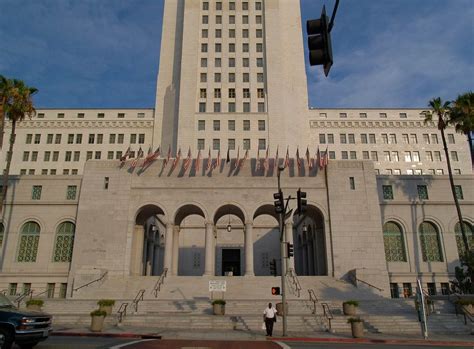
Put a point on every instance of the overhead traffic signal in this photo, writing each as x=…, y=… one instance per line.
x=275, y=291
x=279, y=203
x=289, y=250
x=319, y=42
x=273, y=267
x=301, y=201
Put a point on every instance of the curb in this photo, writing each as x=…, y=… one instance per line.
x=108, y=335
x=373, y=341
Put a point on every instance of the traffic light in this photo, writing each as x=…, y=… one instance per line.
x=279, y=203
x=301, y=201
x=275, y=291
x=289, y=250
x=319, y=42
x=273, y=267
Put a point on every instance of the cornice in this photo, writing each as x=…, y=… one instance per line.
x=56, y=124
x=370, y=124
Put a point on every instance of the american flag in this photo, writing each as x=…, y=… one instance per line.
x=308, y=159
x=198, y=161
x=237, y=160
x=218, y=160
x=277, y=160
x=168, y=156
x=187, y=161
x=178, y=156
x=287, y=158
x=124, y=157
x=258, y=159
x=139, y=156
x=209, y=160
x=298, y=160
x=151, y=156
x=265, y=163
x=324, y=159
x=227, y=160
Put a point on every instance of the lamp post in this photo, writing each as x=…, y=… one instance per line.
x=281, y=218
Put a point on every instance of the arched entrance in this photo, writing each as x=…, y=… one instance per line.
x=148, y=241
x=266, y=240
x=230, y=241
x=310, y=249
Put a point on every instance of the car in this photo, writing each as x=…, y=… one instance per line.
x=24, y=328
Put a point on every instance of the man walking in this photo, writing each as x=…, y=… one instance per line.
x=269, y=316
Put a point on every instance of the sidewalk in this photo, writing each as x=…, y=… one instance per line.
x=143, y=332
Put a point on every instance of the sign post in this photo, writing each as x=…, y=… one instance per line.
x=420, y=297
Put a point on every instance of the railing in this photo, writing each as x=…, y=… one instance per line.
x=355, y=280
x=160, y=282
x=41, y=293
x=93, y=281
x=138, y=298
x=122, y=311
x=21, y=297
x=327, y=314
x=296, y=282
x=4, y=292
x=314, y=299
x=467, y=315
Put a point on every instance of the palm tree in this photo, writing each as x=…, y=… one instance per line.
x=462, y=117
x=6, y=86
x=443, y=111
x=18, y=105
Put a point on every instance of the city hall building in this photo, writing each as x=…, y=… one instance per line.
x=231, y=106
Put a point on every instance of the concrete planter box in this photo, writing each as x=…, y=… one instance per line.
x=34, y=307
x=349, y=309
x=97, y=323
x=218, y=309
x=279, y=308
x=357, y=329
x=106, y=308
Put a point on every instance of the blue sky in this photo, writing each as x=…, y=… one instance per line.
x=105, y=53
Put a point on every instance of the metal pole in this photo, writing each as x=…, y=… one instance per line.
x=283, y=258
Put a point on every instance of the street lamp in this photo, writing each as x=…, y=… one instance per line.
x=229, y=227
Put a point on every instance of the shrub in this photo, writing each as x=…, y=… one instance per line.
x=218, y=301
x=352, y=302
x=353, y=319
x=38, y=302
x=98, y=312
x=106, y=302
x=464, y=302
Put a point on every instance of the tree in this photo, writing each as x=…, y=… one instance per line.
x=6, y=87
x=443, y=111
x=462, y=117
x=18, y=104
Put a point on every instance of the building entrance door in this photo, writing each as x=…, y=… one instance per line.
x=231, y=261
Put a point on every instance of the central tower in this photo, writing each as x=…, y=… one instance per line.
x=232, y=76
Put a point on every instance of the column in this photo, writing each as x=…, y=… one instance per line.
x=209, y=262
x=289, y=239
x=169, y=247
x=310, y=258
x=155, y=264
x=174, y=264
x=136, y=260
x=249, y=249
x=150, y=257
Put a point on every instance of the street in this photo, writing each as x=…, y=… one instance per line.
x=127, y=343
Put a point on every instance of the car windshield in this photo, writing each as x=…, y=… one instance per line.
x=5, y=302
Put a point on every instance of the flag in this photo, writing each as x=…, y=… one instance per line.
x=298, y=160
x=198, y=161
x=258, y=159
x=187, y=161
x=178, y=156
x=308, y=159
x=318, y=158
x=148, y=155
x=218, y=160
x=139, y=155
x=265, y=163
x=237, y=159
x=209, y=160
x=277, y=160
x=325, y=158
x=227, y=160
x=124, y=157
x=246, y=156
x=287, y=158
x=168, y=156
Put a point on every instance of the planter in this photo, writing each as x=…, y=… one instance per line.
x=106, y=308
x=357, y=329
x=279, y=308
x=218, y=309
x=97, y=323
x=34, y=307
x=349, y=309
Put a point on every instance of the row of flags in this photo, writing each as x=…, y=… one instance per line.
x=320, y=159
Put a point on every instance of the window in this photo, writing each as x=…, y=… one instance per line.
x=22, y=172
x=416, y=156
x=232, y=62
x=78, y=138
x=100, y=115
x=426, y=138
x=407, y=290
x=231, y=107
x=205, y=5
x=259, y=62
x=49, y=139
x=245, y=62
x=216, y=125
x=437, y=156
x=202, y=107
x=259, y=47
x=36, y=192
x=245, y=77
x=205, y=19
x=459, y=240
x=100, y=138
x=97, y=155
x=216, y=144
x=201, y=144
x=12, y=289
x=68, y=156
x=201, y=125
x=434, y=138
x=232, y=6
x=403, y=115
x=413, y=138
x=246, y=107
x=374, y=156
x=387, y=191
x=384, y=138
x=246, y=144
x=363, y=138
x=40, y=116
x=343, y=115
x=231, y=77
x=26, y=155
x=260, y=77
x=322, y=138
x=231, y=33
x=422, y=192
x=29, y=138
x=245, y=34
x=246, y=93
x=246, y=125
x=259, y=33
x=218, y=19
x=231, y=144
x=458, y=191
x=120, y=138
x=71, y=192
x=203, y=77
x=405, y=138
x=332, y=154
x=44, y=171
x=217, y=107
x=383, y=115
x=57, y=139
x=323, y=115
x=344, y=155
x=231, y=19
x=218, y=6
x=245, y=19
x=430, y=243
x=343, y=138
x=55, y=156
x=231, y=47
x=365, y=155
x=262, y=144
x=203, y=62
x=393, y=138
x=395, y=156
x=258, y=5
x=260, y=93
x=29, y=240
x=330, y=138
x=261, y=125
x=110, y=155
x=60, y=115
x=106, y=183
x=454, y=156
x=218, y=33
x=65, y=172
x=37, y=139
x=394, y=292
x=50, y=290
x=353, y=155
x=372, y=138
x=122, y=115
x=363, y=115
x=407, y=156
x=245, y=6
x=231, y=125
x=351, y=138
x=394, y=242
x=202, y=93
x=64, y=242
x=218, y=47
x=352, y=183
x=451, y=138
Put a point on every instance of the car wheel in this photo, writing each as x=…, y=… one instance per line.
x=6, y=338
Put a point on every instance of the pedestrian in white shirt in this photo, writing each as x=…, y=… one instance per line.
x=269, y=316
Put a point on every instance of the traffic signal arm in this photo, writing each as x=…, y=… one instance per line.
x=319, y=42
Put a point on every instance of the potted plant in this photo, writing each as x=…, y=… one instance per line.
x=34, y=304
x=106, y=305
x=97, y=320
x=350, y=307
x=357, y=327
x=465, y=305
x=218, y=307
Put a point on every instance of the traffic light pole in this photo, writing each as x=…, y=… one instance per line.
x=281, y=218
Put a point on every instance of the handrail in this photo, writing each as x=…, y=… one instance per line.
x=21, y=297
x=368, y=284
x=313, y=298
x=160, y=282
x=327, y=314
x=91, y=282
x=4, y=291
x=39, y=294
x=138, y=298
x=295, y=280
x=467, y=315
x=122, y=311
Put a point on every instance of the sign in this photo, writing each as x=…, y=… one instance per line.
x=217, y=285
